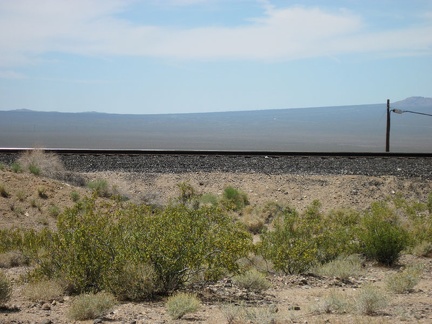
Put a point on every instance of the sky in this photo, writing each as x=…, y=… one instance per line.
x=185, y=56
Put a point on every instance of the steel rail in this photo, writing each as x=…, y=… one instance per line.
x=217, y=152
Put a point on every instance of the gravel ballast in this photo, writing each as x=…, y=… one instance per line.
x=405, y=167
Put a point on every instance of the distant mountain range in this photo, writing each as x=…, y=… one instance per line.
x=413, y=102
x=358, y=128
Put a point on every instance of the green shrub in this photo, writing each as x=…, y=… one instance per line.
x=100, y=186
x=5, y=289
x=94, y=242
x=233, y=199
x=405, y=281
x=91, y=306
x=181, y=304
x=370, y=299
x=299, y=242
x=252, y=280
x=75, y=196
x=382, y=237
x=3, y=192
x=16, y=167
x=54, y=210
x=187, y=192
x=2, y=166
x=34, y=169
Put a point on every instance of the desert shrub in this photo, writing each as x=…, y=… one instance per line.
x=187, y=192
x=12, y=259
x=422, y=249
x=16, y=167
x=100, y=186
x=39, y=162
x=3, y=192
x=252, y=280
x=42, y=193
x=74, y=196
x=370, y=299
x=5, y=289
x=299, y=242
x=334, y=302
x=208, y=199
x=406, y=280
x=289, y=245
x=181, y=304
x=93, y=243
x=382, y=237
x=21, y=195
x=91, y=306
x=34, y=169
x=342, y=267
x=245, y=314
x=45, y=290
x=233, y=199
x=54, y=210
x=2, y=166
x=135, y=282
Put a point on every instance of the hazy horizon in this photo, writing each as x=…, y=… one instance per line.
x=358, y=128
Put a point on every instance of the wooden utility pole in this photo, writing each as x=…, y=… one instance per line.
x=388, y=127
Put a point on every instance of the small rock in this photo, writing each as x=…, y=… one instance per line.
x=98, y=321
x=47, y=321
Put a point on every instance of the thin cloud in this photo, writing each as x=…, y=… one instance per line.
x=7, y=74
x=90, y=27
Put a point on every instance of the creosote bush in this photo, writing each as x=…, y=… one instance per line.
x=94, y=241
x=382, y=236
x=181, y=304
x=299, y=242
x=91, y=306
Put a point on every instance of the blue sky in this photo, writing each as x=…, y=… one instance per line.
x=178, y=56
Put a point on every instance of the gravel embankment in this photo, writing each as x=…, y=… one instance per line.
x=419, y=167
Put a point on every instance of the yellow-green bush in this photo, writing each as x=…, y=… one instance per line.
x=298, y=242
x=233, y=199
x=382, y=236
x=181, y=304
x=94, y=242
x=91, y=306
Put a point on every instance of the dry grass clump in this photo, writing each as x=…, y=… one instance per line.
x=39, y=162
x=405, y=281
x=12, y=259
x=252, y=280
x=335, y=302
x=370, y=300
x=3, y=192
x=46, y=290
x=423, y=249
x=342, y=267
x=181, y=304
x=5, y=289
x=244, y=314
x=91, y=306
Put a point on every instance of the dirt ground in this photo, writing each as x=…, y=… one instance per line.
x=291, y=299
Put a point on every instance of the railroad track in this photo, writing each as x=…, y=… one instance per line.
x=407, y=165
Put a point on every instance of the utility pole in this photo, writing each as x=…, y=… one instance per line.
x=388, y=127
